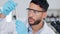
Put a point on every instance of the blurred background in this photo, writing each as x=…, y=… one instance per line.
x=20, y=12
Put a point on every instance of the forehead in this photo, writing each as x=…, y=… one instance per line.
x=35, y=7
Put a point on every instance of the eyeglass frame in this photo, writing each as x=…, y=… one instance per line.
x=35, y=11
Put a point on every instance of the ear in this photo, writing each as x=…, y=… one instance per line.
x=44, y=15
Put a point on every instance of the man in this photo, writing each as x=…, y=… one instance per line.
x=14, y=27
x=37, y=11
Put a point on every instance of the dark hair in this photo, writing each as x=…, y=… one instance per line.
x=42, y=3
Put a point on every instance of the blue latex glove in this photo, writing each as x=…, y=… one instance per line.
x=8, y=7
x=21, y=27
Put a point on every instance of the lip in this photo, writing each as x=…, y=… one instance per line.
x=31, y=20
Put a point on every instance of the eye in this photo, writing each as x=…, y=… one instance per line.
x=29, y=10
x=35, y=11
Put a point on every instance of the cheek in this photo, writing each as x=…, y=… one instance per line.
x=39, y=17
x=35, y=17
x=28, y=14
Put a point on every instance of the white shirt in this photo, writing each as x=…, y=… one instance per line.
x=44, y=30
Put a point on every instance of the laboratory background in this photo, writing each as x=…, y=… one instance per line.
x=20, y=12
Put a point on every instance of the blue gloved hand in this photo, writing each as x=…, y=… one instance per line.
x=21, y=27
x=8, y=7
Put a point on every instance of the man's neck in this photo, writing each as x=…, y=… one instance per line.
x=36, y=28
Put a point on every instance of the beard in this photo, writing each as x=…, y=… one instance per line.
x=36, y=22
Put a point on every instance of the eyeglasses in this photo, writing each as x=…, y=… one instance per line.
x=35, y=11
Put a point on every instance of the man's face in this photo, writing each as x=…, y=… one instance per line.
x=35, y=14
